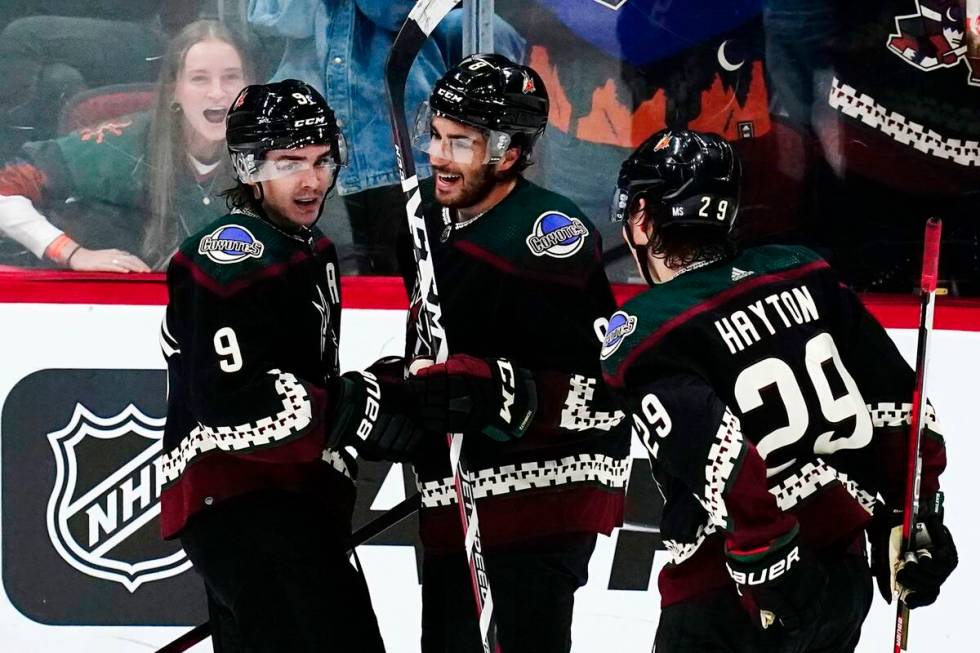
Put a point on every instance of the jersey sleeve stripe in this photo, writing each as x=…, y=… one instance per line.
x=295, y=416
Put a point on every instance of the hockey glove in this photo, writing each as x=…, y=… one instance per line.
x=785, y=584
x=467, y=394
x=375, y=416
x=933, y=557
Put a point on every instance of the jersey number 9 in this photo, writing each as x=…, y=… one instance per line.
x=226, y=346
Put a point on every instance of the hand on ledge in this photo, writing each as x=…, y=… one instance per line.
x=106, y=260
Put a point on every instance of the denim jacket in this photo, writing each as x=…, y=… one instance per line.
x=339, y=47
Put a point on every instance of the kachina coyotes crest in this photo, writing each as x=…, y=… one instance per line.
x=230, y=243
x=555, y=234
x=102, y=517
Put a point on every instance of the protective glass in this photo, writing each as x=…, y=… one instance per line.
x=458, y=149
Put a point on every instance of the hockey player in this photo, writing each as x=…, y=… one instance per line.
x=775, y=410
x=521, y=283
x=256, y=484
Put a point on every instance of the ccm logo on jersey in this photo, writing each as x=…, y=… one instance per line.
x=230, y=244
x=772, y=572
x=307, y=122
x=557, y=235
x=371, y=406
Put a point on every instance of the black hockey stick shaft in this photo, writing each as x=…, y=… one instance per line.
x=424, y=17
x=927, y=288
x=361, y=536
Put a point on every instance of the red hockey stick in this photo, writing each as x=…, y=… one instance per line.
x=927, y=285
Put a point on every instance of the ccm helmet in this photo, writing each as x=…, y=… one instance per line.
x=492, y=93
x=686, y=178
x=279, y=116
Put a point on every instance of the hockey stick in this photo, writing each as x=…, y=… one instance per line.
x=423, y=18
x=362, y=535
x=927, y=286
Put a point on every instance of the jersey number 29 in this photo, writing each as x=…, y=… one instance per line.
x=820, y=350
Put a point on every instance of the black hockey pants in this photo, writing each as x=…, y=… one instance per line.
x=278, y=577
x=533, y=591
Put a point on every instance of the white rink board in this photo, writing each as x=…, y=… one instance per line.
x=43, y=336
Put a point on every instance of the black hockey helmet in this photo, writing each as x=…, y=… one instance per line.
x=492, y=93
x=686, y=178
x=279, y=116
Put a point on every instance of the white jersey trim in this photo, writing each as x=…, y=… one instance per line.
x=296, y=415
x=851, y=102
x=508, y=479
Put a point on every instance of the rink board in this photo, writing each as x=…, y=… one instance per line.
x=81, y=399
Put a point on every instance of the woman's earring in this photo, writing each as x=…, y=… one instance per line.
x=175, y=107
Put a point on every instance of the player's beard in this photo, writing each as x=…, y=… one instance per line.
x=474, y=188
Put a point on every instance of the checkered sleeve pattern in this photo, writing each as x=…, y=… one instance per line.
x=726, y=450
x=813, y=476
x=507, y=479
x=577, y=415
x=886, y=414
x=296, y=414
x=681, y=551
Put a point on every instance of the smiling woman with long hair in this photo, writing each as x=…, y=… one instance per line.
x=161, y=170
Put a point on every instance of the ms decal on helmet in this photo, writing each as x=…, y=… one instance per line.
x=230, y=244
x=685, y=177
x=557, y=235
x=620, y=325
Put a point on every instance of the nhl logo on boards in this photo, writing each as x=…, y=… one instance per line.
x=620, y=325
x=230, y=244
x=91, y=517
x=556, y=235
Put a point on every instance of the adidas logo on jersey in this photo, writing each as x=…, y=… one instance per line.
x=738, y=275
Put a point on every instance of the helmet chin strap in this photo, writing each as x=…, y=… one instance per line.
x=640, y=253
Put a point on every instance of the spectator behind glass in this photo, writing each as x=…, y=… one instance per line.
x=52, y=49
x=339, y=47
x=162, y=171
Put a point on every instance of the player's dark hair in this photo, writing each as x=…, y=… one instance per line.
x=526, y=144
x=166, y=147
x=240, y=197
x=684, y=246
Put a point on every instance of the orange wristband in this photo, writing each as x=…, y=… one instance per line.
x=56, y=251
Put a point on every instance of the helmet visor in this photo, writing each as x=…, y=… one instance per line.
x=460, y=149
x=266, y=170
x=252, y=169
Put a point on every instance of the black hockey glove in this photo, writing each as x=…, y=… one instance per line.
x=786, y=585
x=467, y=394
x=925, y=568
x=375, y=415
